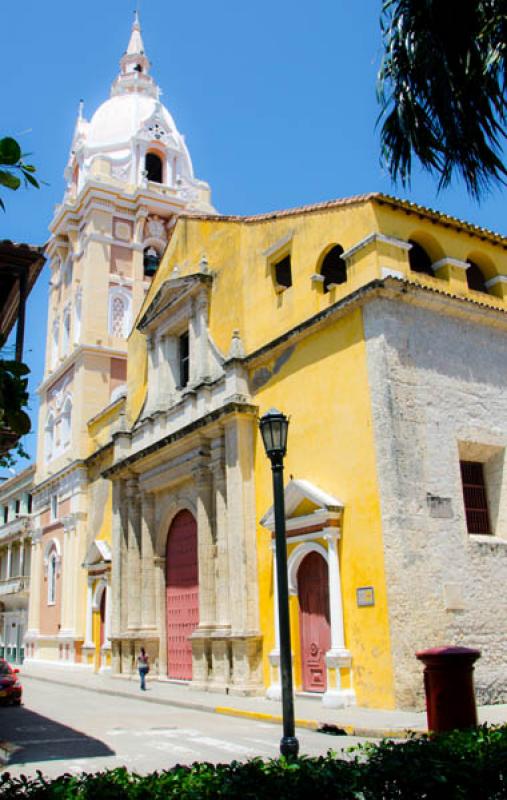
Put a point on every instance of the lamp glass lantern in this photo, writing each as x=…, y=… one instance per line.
x=274, y=428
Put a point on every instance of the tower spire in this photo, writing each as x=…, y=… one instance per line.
x=134, y=66
x=135, y=45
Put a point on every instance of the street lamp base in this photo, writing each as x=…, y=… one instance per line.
x=289, y=746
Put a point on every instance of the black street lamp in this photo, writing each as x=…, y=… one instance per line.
x=274, y=427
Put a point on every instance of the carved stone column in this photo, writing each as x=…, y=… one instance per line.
x=159, y=567
x=338, y=658
x=68, y=574
x=36, y=576
x=148, y=620
x=134, y=554
x=241, y=534
x=201, y=647
x=206, y=547
x=118, y=544
x=220, y=640
x=201, y=336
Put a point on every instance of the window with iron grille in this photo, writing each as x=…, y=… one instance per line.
x=474, y=496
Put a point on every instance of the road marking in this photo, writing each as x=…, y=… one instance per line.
x=222, y=744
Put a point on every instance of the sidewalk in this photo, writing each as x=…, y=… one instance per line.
x=309, y=711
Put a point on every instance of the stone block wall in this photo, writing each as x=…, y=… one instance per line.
x=438, y=391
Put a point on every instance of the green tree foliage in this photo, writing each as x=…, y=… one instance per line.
x=442, y=90
x=14, y=421
x=13, y=169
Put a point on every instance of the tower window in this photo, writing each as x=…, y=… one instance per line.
x=283, y=273
x=475, y=278
x=184, y=359
x=419, y=259
x=334, y=268
x=474, y=496
x=151, y=261
x=153, y=167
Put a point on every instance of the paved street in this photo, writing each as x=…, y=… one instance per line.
x=68, y=729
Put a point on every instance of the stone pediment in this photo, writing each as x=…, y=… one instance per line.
x=306, y=505
x=98, y=552
x=172, y=292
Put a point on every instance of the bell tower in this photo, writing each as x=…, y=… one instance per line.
x=128, y=176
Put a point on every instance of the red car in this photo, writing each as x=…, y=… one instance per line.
x=10, y=688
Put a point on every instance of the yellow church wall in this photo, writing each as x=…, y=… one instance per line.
x=444, y=240
x=323, y=386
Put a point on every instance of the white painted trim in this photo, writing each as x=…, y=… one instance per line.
x=495, y=280
x=387, y=272
x=278, y=245
x=452, y=262
x=371, y=239
x=295, y=559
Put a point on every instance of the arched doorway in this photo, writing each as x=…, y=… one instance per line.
x=314, y=625
x=182, y=594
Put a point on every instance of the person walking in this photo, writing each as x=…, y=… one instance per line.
x=143, y=667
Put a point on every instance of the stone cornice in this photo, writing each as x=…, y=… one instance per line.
x=394, y=288
x=197, y=425
x=74, y=357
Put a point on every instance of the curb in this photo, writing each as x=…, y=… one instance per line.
x=308, y=724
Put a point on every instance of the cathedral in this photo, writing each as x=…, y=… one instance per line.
x=377, y=325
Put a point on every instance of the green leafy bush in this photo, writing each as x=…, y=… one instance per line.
x=464, y=765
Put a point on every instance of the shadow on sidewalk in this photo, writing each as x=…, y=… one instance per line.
x=41, y=739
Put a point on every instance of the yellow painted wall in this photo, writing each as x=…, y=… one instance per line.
x=321, y=381
x=323, y=385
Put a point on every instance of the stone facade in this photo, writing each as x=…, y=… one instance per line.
x=438, y=395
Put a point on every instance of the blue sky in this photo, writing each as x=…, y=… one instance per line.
x=276, y=100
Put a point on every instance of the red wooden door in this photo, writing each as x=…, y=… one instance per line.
x=182, y=588
x=315, y=631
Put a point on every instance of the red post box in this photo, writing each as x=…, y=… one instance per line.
x=449, y=687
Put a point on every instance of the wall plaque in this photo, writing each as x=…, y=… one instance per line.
x=365, y=596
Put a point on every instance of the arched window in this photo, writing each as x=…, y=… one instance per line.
x=334, y=268
x=52, y=578
x=119, y=313
x=475, y=278
x=66, y=422
x=49, y=437
x=153, y=167
x=419, y=259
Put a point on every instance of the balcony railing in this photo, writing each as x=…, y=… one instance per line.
x=18, y=525
x=15, y=585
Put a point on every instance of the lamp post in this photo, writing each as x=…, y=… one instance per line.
x=274, y=427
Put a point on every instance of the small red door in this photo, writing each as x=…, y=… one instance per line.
x=182, y=592
x=315, y=630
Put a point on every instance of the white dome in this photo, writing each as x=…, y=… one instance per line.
x=122, y=117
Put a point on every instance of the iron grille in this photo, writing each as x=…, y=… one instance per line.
x=474, y=496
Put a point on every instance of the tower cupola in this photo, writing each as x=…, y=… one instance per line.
x=132, y=140
x=134, y=67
